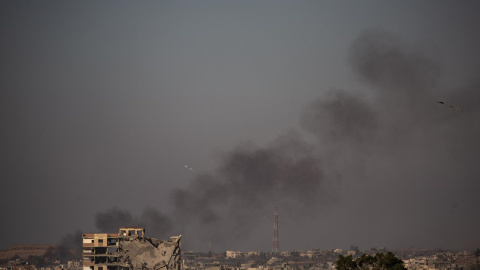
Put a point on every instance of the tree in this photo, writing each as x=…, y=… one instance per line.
x=365, y=261
x=387, y=261
x=379, y=262
x=346, y=263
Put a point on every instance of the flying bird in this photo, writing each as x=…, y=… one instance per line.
x=186, y=167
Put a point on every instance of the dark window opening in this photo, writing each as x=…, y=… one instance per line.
x=100, y=259
x=111, y=250
x=100, y=250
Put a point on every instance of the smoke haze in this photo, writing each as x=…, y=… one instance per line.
x=358, y=139
x=305, y=106
x=157, y=224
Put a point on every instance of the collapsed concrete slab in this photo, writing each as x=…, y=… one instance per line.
x=150, y=253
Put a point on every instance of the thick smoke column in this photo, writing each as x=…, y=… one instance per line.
x=422, y=150
x=367, y=138
x=248, y=183
x=68, y=248
x=355, y=132
x=406, y=85
x=341, y=117
x=389, y=64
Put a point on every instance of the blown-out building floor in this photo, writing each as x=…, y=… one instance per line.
x=129, y=249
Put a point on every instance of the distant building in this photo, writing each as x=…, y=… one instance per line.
x=351, y=252
x=24, y=267
x=252, y=253
x=307, y=253
x=233, y=254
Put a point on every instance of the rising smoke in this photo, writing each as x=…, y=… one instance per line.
x=354, y=132
x=249, y=182
x=67, y=248
x=156, y=223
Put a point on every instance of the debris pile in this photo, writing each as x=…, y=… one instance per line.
x=130, y=250
x=149, y=253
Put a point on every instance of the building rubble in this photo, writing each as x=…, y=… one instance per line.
x=130, y=250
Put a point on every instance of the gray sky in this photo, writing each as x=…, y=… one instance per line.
x=326, y=109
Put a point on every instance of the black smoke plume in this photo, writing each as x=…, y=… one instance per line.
x=155, y=223
x=340, y=117
x=355, y=132
x=248, y=183
x=68, y=248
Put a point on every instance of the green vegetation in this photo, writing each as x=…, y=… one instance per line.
x=378, y=262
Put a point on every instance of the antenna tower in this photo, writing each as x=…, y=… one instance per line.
x=275, y=247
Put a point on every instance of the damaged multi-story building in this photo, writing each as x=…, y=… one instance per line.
x=129, y=249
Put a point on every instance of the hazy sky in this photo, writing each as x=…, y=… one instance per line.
x=326, y=109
